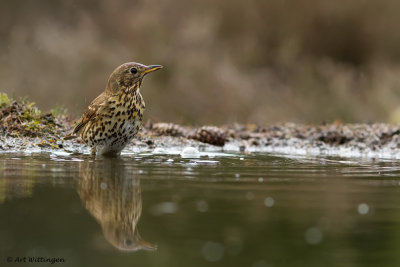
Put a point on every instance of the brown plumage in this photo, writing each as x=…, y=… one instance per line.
x=115, y=116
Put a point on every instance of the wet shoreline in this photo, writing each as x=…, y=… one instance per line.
x=24, y=128
x=345, y=140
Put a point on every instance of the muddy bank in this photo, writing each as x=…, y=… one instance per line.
x=346, y=140
x=23, y=127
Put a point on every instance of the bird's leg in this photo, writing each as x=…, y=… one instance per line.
x=93, y=151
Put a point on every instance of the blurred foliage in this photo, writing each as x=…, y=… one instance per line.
x=225, y=61
x=59, y=111
x=4, y=100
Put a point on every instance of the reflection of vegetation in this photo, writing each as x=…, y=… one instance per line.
x=114, y=199
x=13, y=188
x=10, y=186
x=2, y=190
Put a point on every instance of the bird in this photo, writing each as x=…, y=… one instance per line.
x=114, y=118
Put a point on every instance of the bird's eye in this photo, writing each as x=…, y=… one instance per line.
x=133, y=70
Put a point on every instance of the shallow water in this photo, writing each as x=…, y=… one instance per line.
x=252, y=210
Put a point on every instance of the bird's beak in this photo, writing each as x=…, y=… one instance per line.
x=152, y=68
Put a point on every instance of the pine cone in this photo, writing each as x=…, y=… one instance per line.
x=210, y=135
x=169, y=129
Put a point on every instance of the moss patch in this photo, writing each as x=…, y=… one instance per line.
x=20, y=118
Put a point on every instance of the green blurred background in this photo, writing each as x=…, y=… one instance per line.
x=258, y=61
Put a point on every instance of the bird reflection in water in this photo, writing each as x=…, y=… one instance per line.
x=112, y=194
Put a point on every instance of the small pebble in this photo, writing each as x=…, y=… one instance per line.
x=149, y=142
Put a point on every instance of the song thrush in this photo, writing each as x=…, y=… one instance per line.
x=115, y=116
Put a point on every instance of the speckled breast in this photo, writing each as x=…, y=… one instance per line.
x=118, y=123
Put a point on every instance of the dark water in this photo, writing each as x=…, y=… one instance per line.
x=232, y=210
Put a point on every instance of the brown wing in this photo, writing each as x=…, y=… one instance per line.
x=91, y=113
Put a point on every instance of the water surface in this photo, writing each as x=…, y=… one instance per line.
x=254, y=210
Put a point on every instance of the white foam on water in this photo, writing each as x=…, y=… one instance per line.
x=212, y=162
x=61, y=153
x=190, y=152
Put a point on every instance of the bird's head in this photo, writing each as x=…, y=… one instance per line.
x=129, y=75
